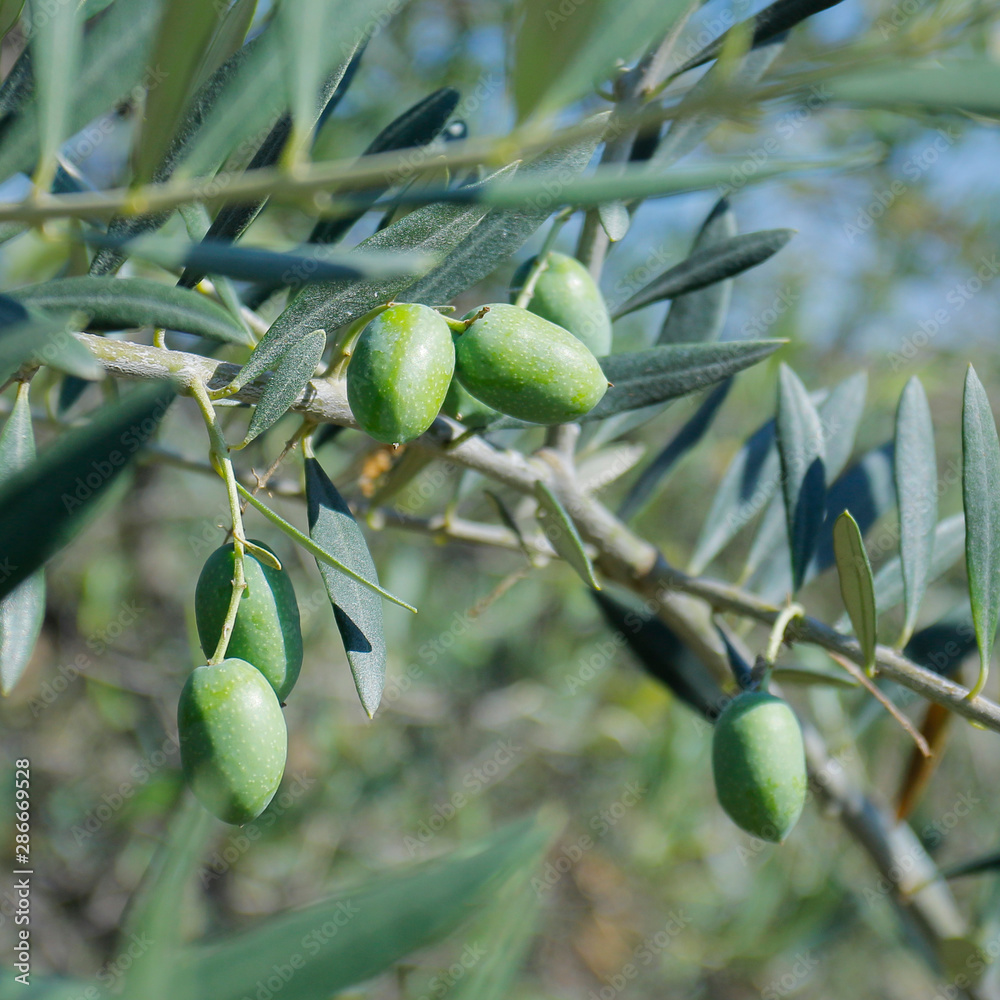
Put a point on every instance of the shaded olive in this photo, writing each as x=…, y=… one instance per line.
x=527, y=367
x=566, y=294
x=759, y=765
x=233, y=739
x=400, y=371
x=462, y=405
x=266, y=632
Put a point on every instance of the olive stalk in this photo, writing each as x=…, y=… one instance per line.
x=223, y=465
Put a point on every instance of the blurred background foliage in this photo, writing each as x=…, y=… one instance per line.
x=523, y=699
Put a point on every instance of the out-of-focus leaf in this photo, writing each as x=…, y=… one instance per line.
x=55, y=49
x=230, y=35
x=664, y=656
x=561, y=52
x=434, y=231
x=708, y=266
x=856, y=586
x=981, y=499
x=184, y=35
x=615, y=220
x=318, y=551
x=690, y=127
x=699, y=316
x=561, y=532
x=941, y=647
x=966, y=85
x=976, y=866
x=357, y=610
x=916, y=491
x=949, y=545
x=658, y=374
x=415, y=127
x=43, y=506
x=773, y=20
x=378, y=923
x=23, y=609
x=10, y=12
x=292, y=374
x=127, y=303
x=503, y=232
x=113, y=59
x=802, y=453
x=686, y=438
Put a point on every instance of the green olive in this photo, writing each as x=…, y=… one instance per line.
x=527, y=367
x=233, y=739
x=400, y=371
x=566, y=294
x=266, y=632
x=759, y=765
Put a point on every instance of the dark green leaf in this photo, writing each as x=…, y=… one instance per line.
x=503, y=232
x=561, y=532
x=916, y=490
x=377, y=923
x=773, y=20
x=976, y=866
x=114, y=58
x=801, y=451
x=981, y=498
x=43, y=507
x=686, y=438
x=126, y=303
x=434, y=231
x=22, y=610
x=185, y=33
x=664, y=656
x=357, y=610
x=856, y=586
x=708, y=266
x=699, y=316
x=942, y=647
x=291, y=375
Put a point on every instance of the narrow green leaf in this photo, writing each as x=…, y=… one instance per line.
x=561, y=51
x=981, y=499
x=230, y=35
x=504, y=231
x=358, y=612
x=377, y=923
x=55, y=48
x=856, y=585
x=184, y=35
x=773, y=20
x=42, y=507
x=23, y=609
x=916, y=491
x=434, y=231
x=113, y=60
x=561, y=532
x=801, y=451
x=317, y=551
x=128, y=303
x=699, y=316
x=291, y=375
x=708, y=266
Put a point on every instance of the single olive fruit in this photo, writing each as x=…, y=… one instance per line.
x=566, y=294
x=527, y=367
x=759, y=766
x=266, y=632
x=400, y=371
x=233, y=739
x=463, y=406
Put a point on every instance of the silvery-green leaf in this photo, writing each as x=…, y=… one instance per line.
x=856, y=586
x=561, y=532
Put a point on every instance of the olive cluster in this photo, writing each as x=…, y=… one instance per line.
x=233, y=739
x=537, y=363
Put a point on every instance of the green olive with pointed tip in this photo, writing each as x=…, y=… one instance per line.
x=758, y=762
x=267, y=631
x=399, y=373
x=463, y=406
x=233, y=740
x=527, y=367
x=567, y=295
